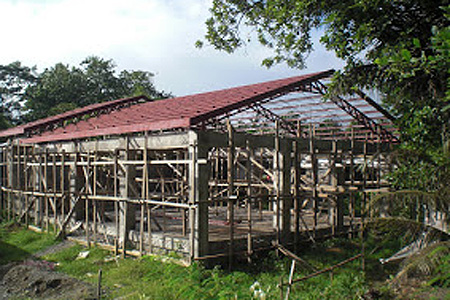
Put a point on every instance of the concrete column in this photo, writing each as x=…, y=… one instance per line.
x=199, y=173
x=75, y=177
x=282, y=171
x=127, y=188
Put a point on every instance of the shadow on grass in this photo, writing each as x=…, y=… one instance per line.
x=10, y=253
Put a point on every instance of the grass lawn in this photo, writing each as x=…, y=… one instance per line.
x=18, y=243
x=152, y=277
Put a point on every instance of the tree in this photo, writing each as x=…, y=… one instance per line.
x=14, y=79
x=137, y=83
x=56, y=88
x=62, y=88
x=398, y=47
x=387, y=45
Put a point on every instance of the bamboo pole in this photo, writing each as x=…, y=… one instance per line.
x=329, y=269
x=124, y=230
x=297, y=175
x=88, y=190
x=35, y=182
x=334, y=183
x=147, y=192
x=94, y=192
x=141, y=231
x=26, y=183
x=351, y=202
x=363, y=206
x=116, y=204
x=291, y=278
x=55, y=214
x=10, y=183
x=230, y=203
x=46, y=190
x=314, y=171
x=248, y=200
x=18, y=181
x=277, y=182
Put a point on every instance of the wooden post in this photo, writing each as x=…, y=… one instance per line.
x=10, y=166
x=45, y=183
x=230, y=180
x=363, y=205
x=26, y=183
x=62, y=186
x=277, y=183
x=141, y=231
x=146, y=193
x=338, y=180
x=99, y=285
x=351, y=204
x=94, y=192
x=18, y=182
x=116, y=203
x=314, y=171
x=143, y=196
x=55, y=213
x=248, y=201
x=149, y=228
x=3, y=175
x=35, y=185
x=87, y=190
x=297, y=176
x=291, y=278
x=124, y=228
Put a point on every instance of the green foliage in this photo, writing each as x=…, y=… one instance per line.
x=62, y=88
x=14, y=79
x=18, y=243
x=429, y=262
x=441, y=274
x=151, y=278
x=26, y=95
x=399, y=48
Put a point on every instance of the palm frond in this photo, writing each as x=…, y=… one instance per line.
x=425, y=262
x=413, y=204
x=407, y=229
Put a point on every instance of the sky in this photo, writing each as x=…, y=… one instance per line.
x=150, y=35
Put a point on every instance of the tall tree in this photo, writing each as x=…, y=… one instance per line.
x=57, y=89
x=14, y=79
x=400, y=48
x=63, y=88
x=387, y=45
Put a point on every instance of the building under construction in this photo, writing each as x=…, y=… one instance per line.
x=217, y=174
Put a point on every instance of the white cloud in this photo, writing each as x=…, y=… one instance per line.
x=151, y=35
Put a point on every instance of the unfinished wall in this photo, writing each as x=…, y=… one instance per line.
x=201, y=194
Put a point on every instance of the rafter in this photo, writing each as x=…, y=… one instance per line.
x=359, y=116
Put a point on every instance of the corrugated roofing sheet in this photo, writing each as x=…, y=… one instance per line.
x=180, y=112
x=18, y=130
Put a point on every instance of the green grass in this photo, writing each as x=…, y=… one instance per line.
x=150, y=278
x=18, y=243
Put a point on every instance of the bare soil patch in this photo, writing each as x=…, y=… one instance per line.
x=37, y=279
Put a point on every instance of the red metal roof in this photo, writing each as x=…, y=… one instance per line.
x=180, y=112
x=78, y=112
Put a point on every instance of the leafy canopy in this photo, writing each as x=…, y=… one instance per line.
x=14, y=79
x=62, y=88
x=398, y=47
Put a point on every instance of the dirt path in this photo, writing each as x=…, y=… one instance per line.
x=37, y=279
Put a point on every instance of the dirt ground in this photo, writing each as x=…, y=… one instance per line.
x=37, y=279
